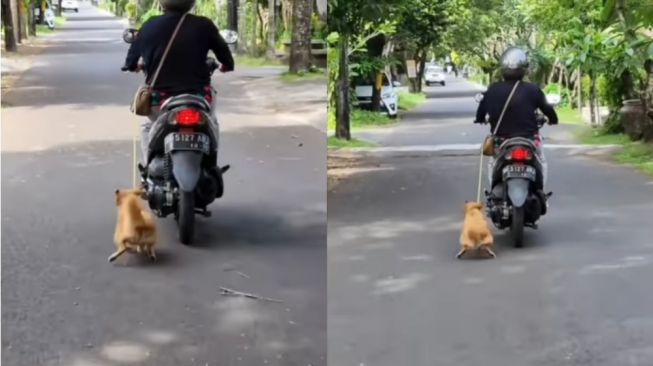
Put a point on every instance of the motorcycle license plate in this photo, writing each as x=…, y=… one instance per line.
x=187, y=141
x=519, y=171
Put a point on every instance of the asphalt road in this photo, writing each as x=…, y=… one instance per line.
x=578, y=293
x=67, y=145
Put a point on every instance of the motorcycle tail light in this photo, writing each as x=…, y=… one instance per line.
x=188, y=117
x=520, y=154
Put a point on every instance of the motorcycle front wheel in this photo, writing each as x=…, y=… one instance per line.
x=186, y=217
x=517, y=226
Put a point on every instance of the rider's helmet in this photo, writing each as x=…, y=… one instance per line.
x=514, y=64
x=177, y=5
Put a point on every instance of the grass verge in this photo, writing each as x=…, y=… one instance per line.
x=334, y=143
x=568, y=115
x=249, y=61
x=317, y=74
x=408, y=101
x=43, y=28
x=636, y=154
x=360, y=119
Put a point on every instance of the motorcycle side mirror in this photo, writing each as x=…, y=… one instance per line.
x=478, y=98
x=230, y=36
x=129, y=35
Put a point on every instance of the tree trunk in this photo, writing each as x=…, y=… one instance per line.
x=629, y=35
x=420, y=62
x=342, y=93
x=272, y=31
x=261, y=23
x=32, y=20
x=59, y=11
x=23, y=19
x=232, y=15
x=254, y=18
x=300, y=45
x=579, y=86
x=375, y=47
x=243, y=40
x=8, y=25
x=15, y=17
x=593, y=100
x=286, y=13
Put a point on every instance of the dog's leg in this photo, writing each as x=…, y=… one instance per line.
x=117, y=254
x=490, y=251
x=152, y=253
x=460, y=254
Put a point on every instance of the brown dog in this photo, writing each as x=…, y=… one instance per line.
x=476, y=233
x=135, y=230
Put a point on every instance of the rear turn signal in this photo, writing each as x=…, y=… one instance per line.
x=188, y=117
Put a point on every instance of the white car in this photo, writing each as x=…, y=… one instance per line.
x=70, y=5
x=434, y=75
x=389, y=97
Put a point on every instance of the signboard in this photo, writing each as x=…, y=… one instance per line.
x=411, y=70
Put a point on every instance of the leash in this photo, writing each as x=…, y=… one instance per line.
x=135, y=158
x=480, y=165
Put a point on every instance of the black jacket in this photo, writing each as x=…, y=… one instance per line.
x=184, y=69
x=519, y=119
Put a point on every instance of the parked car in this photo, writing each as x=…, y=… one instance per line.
x=70, y=5
x=389, y=97
x=434, y=75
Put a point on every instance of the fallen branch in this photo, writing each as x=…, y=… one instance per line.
x=229, y=292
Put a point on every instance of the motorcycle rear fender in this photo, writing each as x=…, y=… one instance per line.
x=186, y=168
x=518, y=191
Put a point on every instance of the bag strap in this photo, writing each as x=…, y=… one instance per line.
x=165, y=53
x=505, y=106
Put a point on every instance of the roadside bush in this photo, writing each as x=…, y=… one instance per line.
x=131, y=10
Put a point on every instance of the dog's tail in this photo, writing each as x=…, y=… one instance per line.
x=117, y=254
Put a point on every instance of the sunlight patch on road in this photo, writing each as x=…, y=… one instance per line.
x=159, y=337
x=239, y=314
x=393, y=285
x=388, y=229
x=625, y=263
x=417, y=258
x=126, y=352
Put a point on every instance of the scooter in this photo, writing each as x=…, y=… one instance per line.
x=181, y=176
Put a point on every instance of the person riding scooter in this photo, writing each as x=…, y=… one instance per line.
x=185, y=69
x=519, y=119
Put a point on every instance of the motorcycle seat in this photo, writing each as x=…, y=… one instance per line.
x=185, y=100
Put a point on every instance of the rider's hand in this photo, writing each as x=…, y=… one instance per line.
x=222, y=69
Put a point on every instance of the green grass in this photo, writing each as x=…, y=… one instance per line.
x=249, y=61
x=590, y=136
x=636, y=154
x=408, y=101
x=360, y=119
x=303, y=76
x=335, y=143
x=569, y=115
x=43, y=28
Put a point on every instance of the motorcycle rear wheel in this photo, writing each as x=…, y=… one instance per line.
x=186, y=217
x=517, y=226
